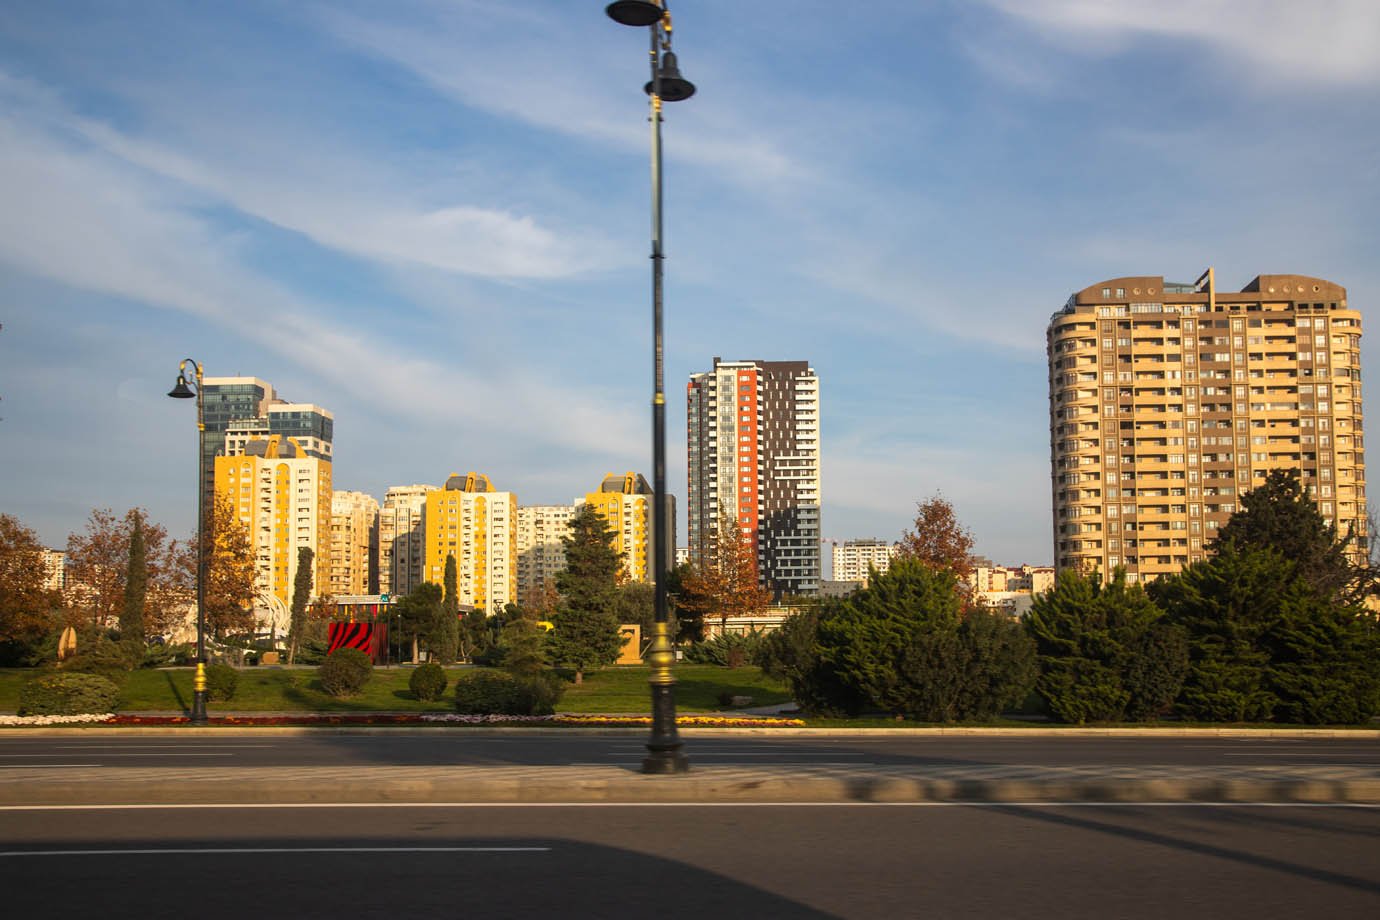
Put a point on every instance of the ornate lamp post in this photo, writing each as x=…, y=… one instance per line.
x=186, y=389
x=664, y=754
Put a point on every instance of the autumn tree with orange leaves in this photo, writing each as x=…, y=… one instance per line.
x=26, y=604
x=723, y=584
x=98, y=567
x=939, y=541
x=230, y=590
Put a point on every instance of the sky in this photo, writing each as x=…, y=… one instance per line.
x=433, y=219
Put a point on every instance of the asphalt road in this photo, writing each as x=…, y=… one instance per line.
x=441, y=747
x=765, y=861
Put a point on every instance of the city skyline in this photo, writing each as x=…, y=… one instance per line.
x=432, y=221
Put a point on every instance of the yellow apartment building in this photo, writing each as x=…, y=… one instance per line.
x=283, y=497
x=468, y=519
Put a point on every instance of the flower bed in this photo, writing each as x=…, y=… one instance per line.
x=324, y=719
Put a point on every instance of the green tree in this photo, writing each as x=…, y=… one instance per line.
x=1104, y=652
x=902, y=645
x=418, y=614
x=446, y=635
x=26, y=606
x=98, y=562
x=1267, y=643
x=301, y=597
x=1227, y=604
x=792, y=654
x=1279, y=515
x=522, y=642
x=136, y=584
x=586, y=631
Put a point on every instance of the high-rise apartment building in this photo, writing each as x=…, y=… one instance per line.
x=283, y=497
x=624, y=504
x=237, y=410
x=402, y=538
x=854, y=559
x=753, y=457
x=354, y=555
x=1169, y=401
x=540, y=553
x=477, y=525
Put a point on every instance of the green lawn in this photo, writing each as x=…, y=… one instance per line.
x=621, y=689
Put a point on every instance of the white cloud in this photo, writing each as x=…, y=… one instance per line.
x=1324, y=42
x=89, y=221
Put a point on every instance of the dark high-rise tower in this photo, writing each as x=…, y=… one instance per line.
x=753, y=457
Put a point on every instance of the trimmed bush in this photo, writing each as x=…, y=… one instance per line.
x=428, y=682
x=345, y=672
x=501, y=693
x=221, y=681
x=108, y=658
x=67, y=693
x=485, y=692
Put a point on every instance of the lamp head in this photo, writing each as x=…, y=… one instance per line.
x=181, y=391
x=674, y=87
x=635, y=12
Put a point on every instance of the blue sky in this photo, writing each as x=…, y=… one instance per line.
x=432, y=218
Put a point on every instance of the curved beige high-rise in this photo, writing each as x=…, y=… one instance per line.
x=1169, y=401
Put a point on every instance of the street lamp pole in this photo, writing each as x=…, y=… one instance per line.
x=186, y=389
x=664, y=747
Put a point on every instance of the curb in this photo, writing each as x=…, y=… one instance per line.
x=565, y=785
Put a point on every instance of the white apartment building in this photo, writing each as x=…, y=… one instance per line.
x=354, y=543
x=402, y=538
x=854, y=558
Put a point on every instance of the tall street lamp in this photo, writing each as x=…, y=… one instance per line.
x=664, y=754
x=186, y=389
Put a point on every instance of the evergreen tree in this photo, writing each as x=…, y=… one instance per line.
x=586, y=631
x=1227, y=605
x=1279, y=515
x=419, y=614
x=523, y=642
x=301, y=597
x=1104, y=654
x=902, y=645
x=136, y=584
x=447, y=632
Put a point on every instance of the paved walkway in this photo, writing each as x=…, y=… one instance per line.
x=19, y=786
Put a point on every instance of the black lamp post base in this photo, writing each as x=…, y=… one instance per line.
x=664, y=754
x=198, y=707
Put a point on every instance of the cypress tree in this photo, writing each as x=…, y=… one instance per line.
x=136, y=584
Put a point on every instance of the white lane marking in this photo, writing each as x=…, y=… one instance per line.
x=121, y=754
x=286, y=805
x=34, y=766
x=699, y=752
x=222, y=851
x=1374, y=754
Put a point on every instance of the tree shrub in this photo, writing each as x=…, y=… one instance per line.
x=110, y=658
x=67, y=693
x=501, y=693
x=1106, y=653
x=902, y=645
x=345, y=672
x=221, y=682
x=727, y=650
x=428, y=682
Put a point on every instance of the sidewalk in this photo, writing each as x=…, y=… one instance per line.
x=86, y=785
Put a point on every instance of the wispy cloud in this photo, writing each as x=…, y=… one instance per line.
x=94, y=220
x=1271, y=42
